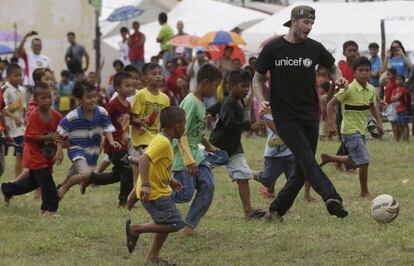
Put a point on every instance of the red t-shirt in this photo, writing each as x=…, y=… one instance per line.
x=389, y=88
x=120, y=116
x=136, y=51
x=347, y=71
x=39, y=155
x=402, y=103
x=173, y=90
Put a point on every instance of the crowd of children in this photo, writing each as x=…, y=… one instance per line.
x=154, y=146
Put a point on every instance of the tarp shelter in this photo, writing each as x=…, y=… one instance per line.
x=338, y=22
x=199, y=17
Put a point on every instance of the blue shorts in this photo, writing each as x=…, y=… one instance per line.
x=18, y=150
x=275, y=167
x=164, y=211
x=358, y=152
x=402, y=118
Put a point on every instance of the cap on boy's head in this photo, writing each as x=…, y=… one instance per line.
x=179, y=50
x=200, y=49
x=361, y=61
x=208, y=72
x=373, y=45
x=239, y=76
x=38, y=87
x=300, y=12
x=148, y=67
x=11, y=68
x=170, y=116
x=119, y=77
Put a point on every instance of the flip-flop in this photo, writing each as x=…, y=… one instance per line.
x=131, y=239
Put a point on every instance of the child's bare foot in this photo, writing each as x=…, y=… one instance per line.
x=310, y=199
x=61, y=192
x=366, y=195
x=122, y=205
x=325, y=158
x=351, y=172
x=266, y=193
x=255, y=214
x=159, y=261
x=338, y=167
x=6, y=200
x=83, y=186
x=188, y=231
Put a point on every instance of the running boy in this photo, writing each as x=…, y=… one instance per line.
x=227, y=136
x=190, y=166
x=146, y=106
x=84, y=127
x=39, y=153
x=155, y=184
x=14, y=97
x=356, y=101
x=119, y=111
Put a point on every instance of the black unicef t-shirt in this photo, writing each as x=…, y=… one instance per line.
x=292, y=70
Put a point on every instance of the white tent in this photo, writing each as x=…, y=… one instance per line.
x=338, y=22
x=199, y=17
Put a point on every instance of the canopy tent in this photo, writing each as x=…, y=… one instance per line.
x=338, y=22
x=199, y=17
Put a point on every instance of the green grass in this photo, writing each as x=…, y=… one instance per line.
x=91, y=228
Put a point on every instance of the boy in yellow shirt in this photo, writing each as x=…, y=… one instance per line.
x=155, y=184
x=146, y=106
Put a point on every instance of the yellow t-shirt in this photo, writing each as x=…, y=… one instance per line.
x=161, y=156
x=147, y=106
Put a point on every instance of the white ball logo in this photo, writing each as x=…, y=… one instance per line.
x=307, y=62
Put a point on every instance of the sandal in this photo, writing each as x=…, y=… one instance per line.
x=131, y=239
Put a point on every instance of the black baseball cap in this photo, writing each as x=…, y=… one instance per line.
x=300, y=12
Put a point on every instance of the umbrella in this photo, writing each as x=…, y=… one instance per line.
x=221, y=38
x=217, y=51
x=124, y=13
x=5, y=49
x=187, y=41
x=10, y=36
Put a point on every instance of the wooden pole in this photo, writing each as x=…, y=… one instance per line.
x=383, y=40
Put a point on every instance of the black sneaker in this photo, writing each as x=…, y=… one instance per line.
x=335, y=207
x=273, y=217
x=131, y=239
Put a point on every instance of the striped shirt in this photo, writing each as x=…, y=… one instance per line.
x=85, y=135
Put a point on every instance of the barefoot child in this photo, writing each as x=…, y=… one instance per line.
x=190, y=166
x=39, y=152
x=84, y=127
x=227, y=136
x=155, y=184
x=356, y=101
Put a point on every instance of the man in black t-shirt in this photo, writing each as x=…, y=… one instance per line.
x=291, y=60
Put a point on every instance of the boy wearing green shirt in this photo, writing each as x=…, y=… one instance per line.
x=165, y=34
x=190, y=166
x=357, y=100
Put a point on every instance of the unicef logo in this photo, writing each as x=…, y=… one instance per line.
x=307, y=62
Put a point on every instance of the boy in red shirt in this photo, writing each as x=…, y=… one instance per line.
x=391, y=109
x=39, y=153
x=400, y=97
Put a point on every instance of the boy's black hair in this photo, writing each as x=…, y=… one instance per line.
x=39, y=73
x=11, y=68
x=349, y=43
x=361, y=61
x=392, y=71
x=208, y=72
x=148, y=67
x=373, y=45
x=154, y=57
x=132, y=69
x=116, y=62
x=135, y=22
x=400, y=76
x=170, y=116
x=38, y=87
x=239, y=76
x=162, y=17
x=65, y=73
x=326, y=86
x=82, y=86
x=251, y=58
x=123, y=29
x=119, y=77
x=71, y=33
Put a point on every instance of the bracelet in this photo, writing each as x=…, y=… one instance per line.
x=145, y=185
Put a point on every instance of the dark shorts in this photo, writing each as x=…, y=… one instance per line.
x=402, y=118
x=358, y=151
x=275, y=167
x=18, y=149
x=164, y=211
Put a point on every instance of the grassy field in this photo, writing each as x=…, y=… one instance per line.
x=90, y=230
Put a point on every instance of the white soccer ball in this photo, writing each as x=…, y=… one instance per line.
x=384, y=208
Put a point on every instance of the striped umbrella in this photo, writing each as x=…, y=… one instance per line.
x=124, y=13
x=221, y=38
x=186, y=41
